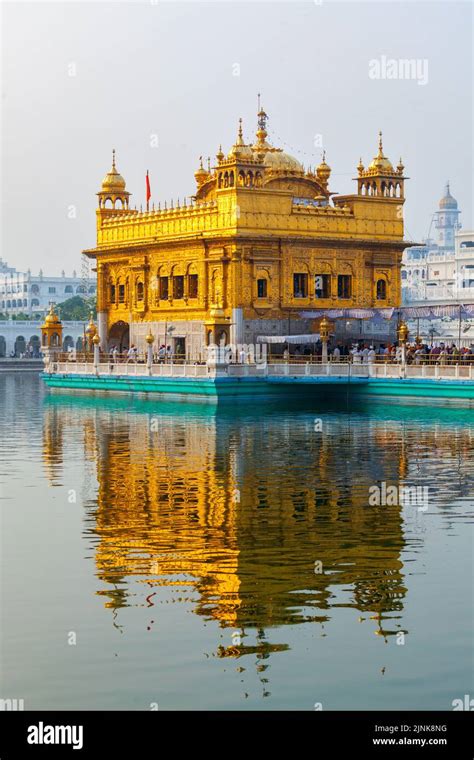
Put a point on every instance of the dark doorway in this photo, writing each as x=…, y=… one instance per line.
x=119, y=335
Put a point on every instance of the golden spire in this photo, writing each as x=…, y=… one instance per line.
x=220, y=154
x=113, y=160
x=380, y=154
x=240, y=135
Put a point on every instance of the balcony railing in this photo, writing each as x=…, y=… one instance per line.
x=426, y=367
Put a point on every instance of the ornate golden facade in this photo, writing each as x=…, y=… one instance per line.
x=261, y=241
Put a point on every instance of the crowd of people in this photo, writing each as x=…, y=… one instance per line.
x=357, y=353
x=415, y=353
x=133, y=355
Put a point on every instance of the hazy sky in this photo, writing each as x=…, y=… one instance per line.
x=81, y=78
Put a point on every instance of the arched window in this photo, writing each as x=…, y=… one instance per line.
x=35, y=302
x=140, y=291
x=381, y=290
x=231, y=179
x=80, y=289
x=241, y=179
x=35, y=289
x=68, y=289
x=92, y=289
x=112, y=293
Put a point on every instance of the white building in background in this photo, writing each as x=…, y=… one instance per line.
x=441, y=269
x=24, y=293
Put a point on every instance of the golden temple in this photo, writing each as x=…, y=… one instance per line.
x=261, y=240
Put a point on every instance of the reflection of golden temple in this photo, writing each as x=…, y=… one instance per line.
x=181, y=504
x=232, y=517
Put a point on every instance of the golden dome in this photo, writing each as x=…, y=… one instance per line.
x=201, y=174
x=323, y=171
x=113, y=182
x=52, y=318
x=380, y=163
x=278, y=161
x=91, y=328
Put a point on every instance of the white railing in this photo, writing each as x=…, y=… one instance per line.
x=275, y=370
x=132, y=369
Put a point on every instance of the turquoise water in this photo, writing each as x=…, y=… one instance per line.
x=179, y=556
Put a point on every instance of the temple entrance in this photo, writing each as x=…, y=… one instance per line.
x=119, y=335
x=179, y=348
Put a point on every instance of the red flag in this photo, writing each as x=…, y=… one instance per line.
x=148, y=189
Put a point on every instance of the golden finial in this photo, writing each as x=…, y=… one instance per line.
x=380, y=144
x=208, y=163
x=240, y=129
x=324, y=157
x=200, y=163
x=220, y=154
x=113, y=159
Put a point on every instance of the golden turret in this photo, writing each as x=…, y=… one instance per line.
x=113, y=189
x=323, y=171
x=51, y=330
x=201, y=174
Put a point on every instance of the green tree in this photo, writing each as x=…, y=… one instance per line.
x=77, y=308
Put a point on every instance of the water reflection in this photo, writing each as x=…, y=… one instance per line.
x=257, y=518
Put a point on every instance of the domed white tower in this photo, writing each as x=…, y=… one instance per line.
x=447, y=220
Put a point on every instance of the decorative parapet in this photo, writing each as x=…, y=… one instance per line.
x=147, y=225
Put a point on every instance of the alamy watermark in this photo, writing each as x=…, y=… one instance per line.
x=411, y=69
x=398, y=496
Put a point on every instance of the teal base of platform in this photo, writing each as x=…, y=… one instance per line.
x=218, y=389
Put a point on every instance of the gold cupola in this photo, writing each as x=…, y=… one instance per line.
x=201, y=175
x=380, y=163
x=323, y=172
x=51, y=330
x=380, y=178
x=113, y=189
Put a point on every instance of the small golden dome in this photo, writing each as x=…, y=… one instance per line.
x=201, y=174
x=51, y=318
x=91, y=328
x=323, y=171
x=380, y=163
x=113, y=182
